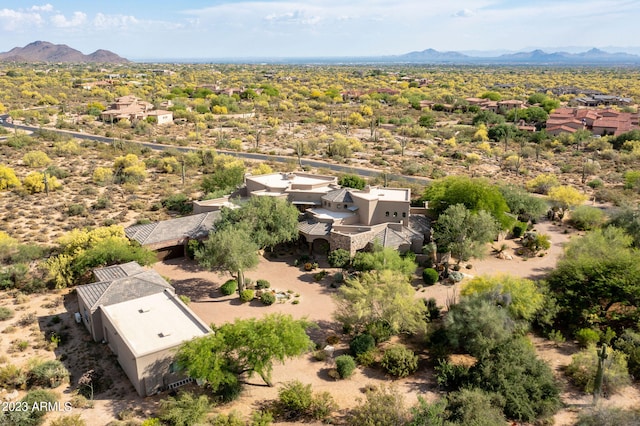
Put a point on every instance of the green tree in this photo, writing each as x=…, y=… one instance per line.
x=521, y=296
x=473, y=407
x=230, y=249
x=565, y=197
x=476, y=194
x=380, y=296
x=385, y=258
x=524, y=382
x=628, y=219
x=269, y=220
x=523, y=204
x=244, y=346
x=597, y=272
x=464, y=233
x=352, y=181
x=427, y=120
x=477, y=325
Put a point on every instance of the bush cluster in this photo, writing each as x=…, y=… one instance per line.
x=399, y=361
x=345, y=365
x=229, y=287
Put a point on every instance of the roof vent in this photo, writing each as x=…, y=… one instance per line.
x=164, y=334
x=144, y=310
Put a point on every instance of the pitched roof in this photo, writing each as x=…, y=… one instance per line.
x=141, y=284
x=111, y=273
x=313, y=227
x=193, y=226
x=391, y=238
x=341, y=195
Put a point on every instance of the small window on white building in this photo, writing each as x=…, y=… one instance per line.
x=386, y=214
x=395, y=214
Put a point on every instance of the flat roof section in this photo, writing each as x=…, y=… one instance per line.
x=153, y=323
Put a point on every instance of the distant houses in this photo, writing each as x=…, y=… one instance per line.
x=600, y=122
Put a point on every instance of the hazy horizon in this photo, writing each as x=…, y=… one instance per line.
x=232, y=29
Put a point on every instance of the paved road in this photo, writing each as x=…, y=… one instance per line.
x=246, y=155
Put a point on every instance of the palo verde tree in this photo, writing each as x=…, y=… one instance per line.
x=464, y=233
x=383, y=296
x=474, y=193
x=245, y=346
x=269, y=220
x=229, y=249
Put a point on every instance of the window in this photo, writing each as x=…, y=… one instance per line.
x=404, y=214
x=395, y=214
x=339, y=206
x=386, y=214
x=345, y=206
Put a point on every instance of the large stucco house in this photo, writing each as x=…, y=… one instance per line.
x=134, y=109
x=346, y=218
x=137, y=314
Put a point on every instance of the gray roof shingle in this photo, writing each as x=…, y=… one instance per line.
x=341, y=195
x=192, y=226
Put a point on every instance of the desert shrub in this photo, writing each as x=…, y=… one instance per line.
x=39, y=400
x=629, y=343
x=185, y=409
x=5, y=313
x=367, y=359
x=36, y=159
x=382, y=407
x=261, y=418
x=519, y=229
x=34, y=182
x=179, y=203
x=268, y=298
x=232, y=419
x=8, y=178
x=587, y=336
x=430, y=276
x=584, y=365
x=262, y=284
x=102, y=175
x=294, y=400
x=322, y=405
x=247, y=295
x=229, y=287
x=345, y=365
x=524, y=382
x=77, y=209
x=12, y=377
x=474, y=407
x=586, y=218
x=451, y=376
x=361, y=343
x=380, y=330
x=339, y=258
x=399, y=361
x=609, y=416
x=70, y=420
x=48, y=374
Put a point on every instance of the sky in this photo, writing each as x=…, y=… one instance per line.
x=192, y=29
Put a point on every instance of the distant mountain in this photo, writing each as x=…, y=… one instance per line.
x=434, y=55
x=535, y=57
x=43, y=51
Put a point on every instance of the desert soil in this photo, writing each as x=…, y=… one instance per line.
x=315, y=303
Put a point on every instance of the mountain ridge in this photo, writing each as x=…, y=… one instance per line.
x=44, y=51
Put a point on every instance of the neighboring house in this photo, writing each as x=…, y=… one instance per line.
x=137, y=313
x=600, y=122
x=133, y=109
x=169, y=238
x=602, y=100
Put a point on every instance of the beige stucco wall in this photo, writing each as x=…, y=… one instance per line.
x=126, y=358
